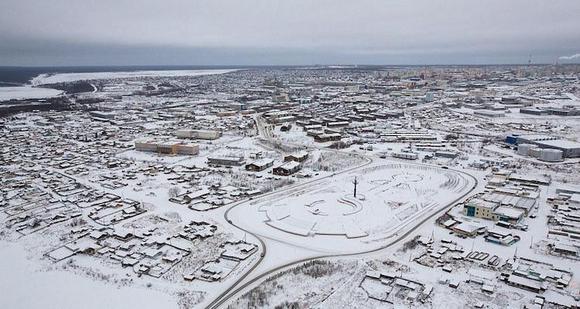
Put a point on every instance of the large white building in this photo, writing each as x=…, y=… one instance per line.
x=199, y=134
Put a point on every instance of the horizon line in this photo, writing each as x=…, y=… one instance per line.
x=284, y=65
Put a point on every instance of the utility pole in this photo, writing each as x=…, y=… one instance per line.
x=355, y=182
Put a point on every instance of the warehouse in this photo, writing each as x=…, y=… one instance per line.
x=525, y=283
x=521, y=202
x=529, y=138
x=570, y=149
x=508, y=214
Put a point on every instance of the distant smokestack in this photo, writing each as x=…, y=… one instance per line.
x=576, y=56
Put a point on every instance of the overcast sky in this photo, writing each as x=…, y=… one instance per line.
x=225, y=32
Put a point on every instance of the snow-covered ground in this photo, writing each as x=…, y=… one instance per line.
x=24, y=284
x=43, y=79
x=325, y=216
x=27, y=92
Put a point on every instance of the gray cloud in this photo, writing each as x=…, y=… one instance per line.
x=286, y=32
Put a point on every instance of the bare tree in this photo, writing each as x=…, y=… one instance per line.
x=174, y=191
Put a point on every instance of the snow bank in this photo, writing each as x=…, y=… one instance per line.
x=44, y=79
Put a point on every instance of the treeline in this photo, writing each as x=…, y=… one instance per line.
x=22, y=106
x=72, y=87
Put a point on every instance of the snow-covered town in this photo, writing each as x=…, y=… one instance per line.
x=295, y=187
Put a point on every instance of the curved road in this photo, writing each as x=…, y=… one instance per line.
x=220, y=299
x=230, y=292
x=234, y=289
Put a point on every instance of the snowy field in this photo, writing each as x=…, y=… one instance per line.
x=44, y=79
x=27, y=92
x=325, y=216
x=25, y=285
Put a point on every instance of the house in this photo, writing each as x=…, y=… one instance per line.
x=500, y=237
x=287, y=169
x=297, y=157
x=259, y=165
x=467, y=229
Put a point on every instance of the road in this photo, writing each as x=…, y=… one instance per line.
x=222, y=297
x=228, y=294
x=236, y=288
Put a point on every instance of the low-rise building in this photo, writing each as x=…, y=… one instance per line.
x=167, y=147
x=508, y=214
x=199, y=134
x=480, y=209
x=406, y=155
x=286, y=169
x=226, y=161
x=297, y=157
x=259, y=165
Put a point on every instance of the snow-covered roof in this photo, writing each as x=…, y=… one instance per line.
x=509, y=212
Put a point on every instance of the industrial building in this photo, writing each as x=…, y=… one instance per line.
x=569, y=149
x=542, y=154
x=167, y=147
x=492, y=211
x=480, y=209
